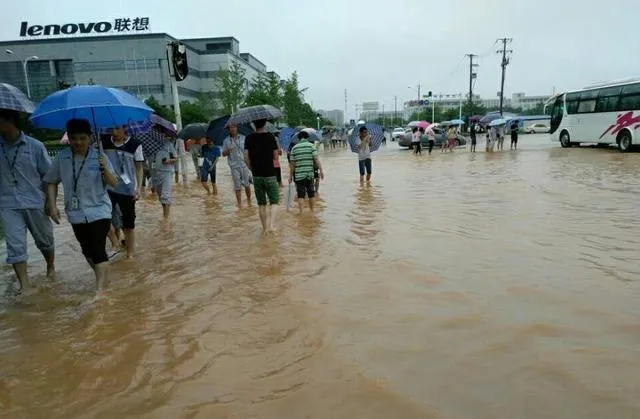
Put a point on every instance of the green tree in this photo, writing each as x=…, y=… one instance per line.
x=161, y=110
x=193, y=112
x=231, y=85
x=265, y=90
x=207, y=101
x=292, y=103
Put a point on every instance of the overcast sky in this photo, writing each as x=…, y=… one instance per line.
x=376, y=48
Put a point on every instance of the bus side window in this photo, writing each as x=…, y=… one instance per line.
x=572, y=107
x=629, y=102
x=587, y=106
x=608, y=100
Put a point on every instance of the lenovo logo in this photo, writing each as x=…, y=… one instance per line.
x=136, y=24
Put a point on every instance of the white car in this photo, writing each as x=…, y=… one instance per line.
x=397, y=134
x=537, y=128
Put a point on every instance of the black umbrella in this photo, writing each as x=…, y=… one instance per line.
x=194, y=131
x=217, y=131
x=254, y=113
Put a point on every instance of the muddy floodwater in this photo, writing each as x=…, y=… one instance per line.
x=458, y=286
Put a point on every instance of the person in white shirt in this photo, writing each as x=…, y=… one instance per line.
x=233, y=149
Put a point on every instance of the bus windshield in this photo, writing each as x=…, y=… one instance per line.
x=557, y=112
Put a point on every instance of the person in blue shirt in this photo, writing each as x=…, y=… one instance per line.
x=23, y=163
x=85, y=174
x=210, y=153
x=163, y=168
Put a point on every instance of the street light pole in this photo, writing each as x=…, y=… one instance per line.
x=24, y=69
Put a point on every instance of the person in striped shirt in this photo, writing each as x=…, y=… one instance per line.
x=304, y=157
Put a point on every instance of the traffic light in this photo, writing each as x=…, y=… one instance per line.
x=179, y=61
x=429, y=93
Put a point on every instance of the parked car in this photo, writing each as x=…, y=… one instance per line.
x=397, y=133
x=440, y=137
x=537, y=128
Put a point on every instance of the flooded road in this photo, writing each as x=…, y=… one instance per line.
x=462, y=286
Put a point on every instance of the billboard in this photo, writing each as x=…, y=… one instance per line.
x=370, y=106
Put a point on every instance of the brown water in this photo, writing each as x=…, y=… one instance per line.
x=462, y=286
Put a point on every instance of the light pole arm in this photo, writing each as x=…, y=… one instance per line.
x=26, y=77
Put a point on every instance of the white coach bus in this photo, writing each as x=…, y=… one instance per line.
x=607, y=113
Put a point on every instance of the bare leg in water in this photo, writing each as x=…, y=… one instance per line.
x=273, y=216
x=262, y=210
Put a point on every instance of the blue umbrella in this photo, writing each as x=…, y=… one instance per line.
x=12, y=98
x=375, y=131
x=217, y=131
x=105, y=107
x=497, y=122
x=287, y=136
x=456, y=122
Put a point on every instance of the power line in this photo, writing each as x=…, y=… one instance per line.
x=504, y=64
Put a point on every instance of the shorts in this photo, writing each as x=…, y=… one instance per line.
x=127, y=205
x=364, y=165
x=207, y=173
x=93, y=239
x=514, y=139
x=305, y=187
x=266, y=188
x=473, y=141
x=241, y=177
x=163, y=183
x=278, y=171
x=16, y=222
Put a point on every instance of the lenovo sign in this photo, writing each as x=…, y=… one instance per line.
x=122, y=25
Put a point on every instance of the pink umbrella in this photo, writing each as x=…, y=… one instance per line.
x=423, y=124
x=64, y=139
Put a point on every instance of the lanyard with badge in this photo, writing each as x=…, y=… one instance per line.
x=12, y=164
x=75, y=202
x=123, y=174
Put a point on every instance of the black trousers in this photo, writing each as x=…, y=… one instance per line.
x=127, y=206
x=93, y=239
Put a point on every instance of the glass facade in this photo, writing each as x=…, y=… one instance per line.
x=44, y=76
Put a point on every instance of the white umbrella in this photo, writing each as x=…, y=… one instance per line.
x=497, y=122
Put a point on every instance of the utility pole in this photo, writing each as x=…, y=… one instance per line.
x=472, y=77
x=345, y=105
x=419, y=87
x=504, y=64
x=395, y=110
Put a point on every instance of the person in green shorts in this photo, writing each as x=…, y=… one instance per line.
x=260, y=150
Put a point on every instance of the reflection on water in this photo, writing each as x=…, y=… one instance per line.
x=455, y=286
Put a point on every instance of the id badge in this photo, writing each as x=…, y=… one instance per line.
x=125, y=178
x=75, y=203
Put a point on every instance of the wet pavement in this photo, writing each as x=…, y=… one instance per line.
x=463, y=286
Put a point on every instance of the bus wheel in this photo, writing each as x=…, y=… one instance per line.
x=624, y=142
x=565, y=140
